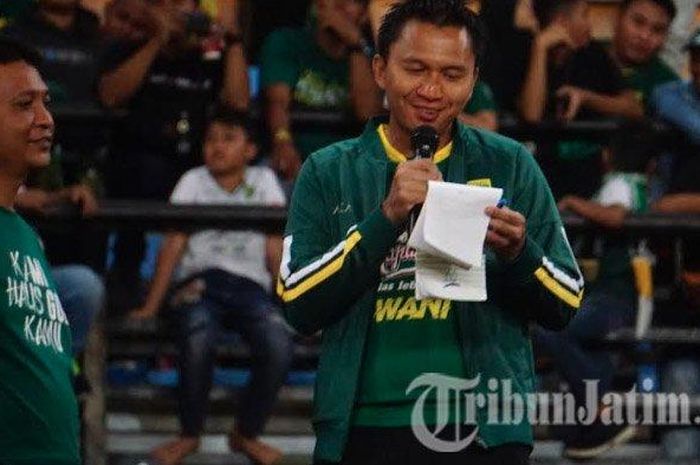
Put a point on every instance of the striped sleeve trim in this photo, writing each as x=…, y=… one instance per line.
x=575, y=285
x=292, y=285
x=560, y=284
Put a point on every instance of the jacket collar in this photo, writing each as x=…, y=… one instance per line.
x=463, y=136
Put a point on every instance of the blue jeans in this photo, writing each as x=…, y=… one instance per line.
x=602, y=311
x=225, y=301
x=82, y=295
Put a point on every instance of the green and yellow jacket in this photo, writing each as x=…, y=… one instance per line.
x=337, y=240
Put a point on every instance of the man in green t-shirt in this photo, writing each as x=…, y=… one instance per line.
x=640, y=32
x=38, y=410
x=324, y=66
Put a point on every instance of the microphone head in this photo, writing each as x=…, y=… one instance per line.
x=424, y=141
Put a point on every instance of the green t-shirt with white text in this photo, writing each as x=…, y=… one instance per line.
x=318, y=82
x=407, y=338
x=38, y=409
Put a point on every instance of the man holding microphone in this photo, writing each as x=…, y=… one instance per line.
x=347, y=268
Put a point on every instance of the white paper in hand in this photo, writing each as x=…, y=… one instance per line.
x=452, y=224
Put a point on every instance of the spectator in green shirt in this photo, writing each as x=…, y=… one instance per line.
x=324, y=66
x=640, y=32
x=38, y=409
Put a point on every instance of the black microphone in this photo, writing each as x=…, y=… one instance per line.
x=424, y=143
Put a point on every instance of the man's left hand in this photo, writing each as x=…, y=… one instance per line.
x=575, y=98
x=507, y=232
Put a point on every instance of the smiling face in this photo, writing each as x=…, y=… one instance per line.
x=428, y=76
x=641, y=32
x=27, y=128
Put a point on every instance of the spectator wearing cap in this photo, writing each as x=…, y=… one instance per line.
x=640, y=32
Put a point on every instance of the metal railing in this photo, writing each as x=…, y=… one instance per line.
x=148, y=215
x=345, y=124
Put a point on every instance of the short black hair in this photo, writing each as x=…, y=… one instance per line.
x=667, y=5
x=441, y=13
x=230, y=116
x=633, y=145
x=546, y=10
x=12, y=51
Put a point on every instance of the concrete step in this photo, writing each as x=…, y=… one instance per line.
x=132, y=449
x=292, y=400
x=127, y=423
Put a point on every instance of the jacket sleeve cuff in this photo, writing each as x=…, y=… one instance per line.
x=378, y=235
x=523, y=268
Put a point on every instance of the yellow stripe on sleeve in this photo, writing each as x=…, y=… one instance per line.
x=557, y=289
x=321, y=275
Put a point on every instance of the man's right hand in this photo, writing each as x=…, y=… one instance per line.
x=409, y=188
x=286, y=160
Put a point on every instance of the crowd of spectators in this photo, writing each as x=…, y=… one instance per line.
x=170, y=63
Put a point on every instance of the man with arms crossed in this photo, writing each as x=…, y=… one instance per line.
x=346, y=267
x=38, y=410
